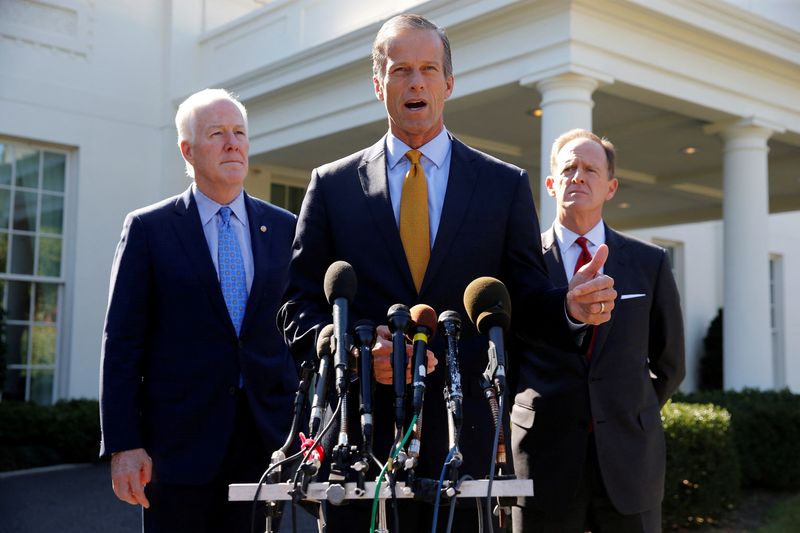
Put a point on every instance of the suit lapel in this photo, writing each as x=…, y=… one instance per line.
x=190, y=233
x=615, y=268
x=261, y=244
x=375, y=183
x=552, y=257
x=461, y=181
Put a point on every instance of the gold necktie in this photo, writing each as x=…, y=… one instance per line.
x=414, y=228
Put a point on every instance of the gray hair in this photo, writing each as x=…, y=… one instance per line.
x=186, y=116
x=406, y=22
x=578, y=133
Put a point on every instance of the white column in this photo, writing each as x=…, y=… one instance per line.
x=747, y=343
x=566, y=104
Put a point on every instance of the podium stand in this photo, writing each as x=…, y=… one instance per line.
x=319, y=491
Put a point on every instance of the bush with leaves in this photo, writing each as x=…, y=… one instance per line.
x=702, y=479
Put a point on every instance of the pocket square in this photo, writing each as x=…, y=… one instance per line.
x=629, y=296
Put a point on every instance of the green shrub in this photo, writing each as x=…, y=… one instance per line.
x=766, y=431
x=34, y=435
x=702, y=479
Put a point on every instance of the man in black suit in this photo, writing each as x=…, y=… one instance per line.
x=196, y=383
x=586, y=421
x=478, y=220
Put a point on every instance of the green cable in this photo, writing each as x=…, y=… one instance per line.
x=383, y=472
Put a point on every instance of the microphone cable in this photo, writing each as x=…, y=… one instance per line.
x=493, y=464
x=261, y=483
x=388, y=465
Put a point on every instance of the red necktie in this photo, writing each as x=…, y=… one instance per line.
x=583, y=259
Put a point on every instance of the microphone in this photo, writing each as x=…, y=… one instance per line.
x=364, y=339
x=423, y=319
x=450, y=323
x=399, y=319
x=340, y=288
x=423, y=326
x=321, y=386
x=488, y=305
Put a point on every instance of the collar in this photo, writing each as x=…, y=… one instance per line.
x=566, y=237
x=208, y=208
x=435, y=150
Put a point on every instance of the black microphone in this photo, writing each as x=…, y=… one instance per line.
x=364, y=339
x=340, y=288
x=488, y=305
x=321, y=386
x=423, y=327
x=399, y=319
x=450, y=324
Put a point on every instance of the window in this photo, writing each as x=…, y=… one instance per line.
x=287, y=196
x=675, y=252
x=32, y=190
x=776, y=320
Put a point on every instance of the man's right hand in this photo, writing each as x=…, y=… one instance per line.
x=131, y=470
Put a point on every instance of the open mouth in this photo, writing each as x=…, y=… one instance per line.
x=415, y=104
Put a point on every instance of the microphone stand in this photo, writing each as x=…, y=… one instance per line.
x=364, y=339
x=307, y=369
x=399, y=318
x=450, y=322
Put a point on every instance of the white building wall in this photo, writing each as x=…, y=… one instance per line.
x=702, y=293
x=99, y=94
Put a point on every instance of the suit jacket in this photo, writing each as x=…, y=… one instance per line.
x=637, y=363
x=171, y=359
x=488, y=228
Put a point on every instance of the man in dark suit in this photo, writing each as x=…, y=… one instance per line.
x=476, y=218
x=586, y=421
x=196, y=383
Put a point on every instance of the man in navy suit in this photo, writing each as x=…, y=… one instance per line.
x=480, y=221
x=587, y=424
x=196, y=382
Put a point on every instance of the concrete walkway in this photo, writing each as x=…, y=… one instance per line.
x=77, y=499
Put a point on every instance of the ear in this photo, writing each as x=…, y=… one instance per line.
x=186, y=151
x=613, y=185
x=549, y=182
x=451, y=82
x=378, y=88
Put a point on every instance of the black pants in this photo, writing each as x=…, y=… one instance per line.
x=590, y=510
x=205, y=508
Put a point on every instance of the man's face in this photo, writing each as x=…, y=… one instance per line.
x=219, y=149
x=581, y=183
x=414, y=86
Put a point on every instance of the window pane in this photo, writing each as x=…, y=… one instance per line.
x=17, y=345
x=43, y=345
x=277, y=194
x=22, y=254
x=27, y=167
x=55, y=166
x=296, y=199
x=5, y=207
x=46, y=309
x=52, y=214
x=25, y=210
x=49, y=256
x=3, y=251
x=5, y=164
x=14, y=388
x=41, y=386
x=19, y=300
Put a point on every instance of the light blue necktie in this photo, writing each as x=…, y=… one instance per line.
x=231, y=270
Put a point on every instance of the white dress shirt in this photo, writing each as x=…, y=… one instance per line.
x=570, y=250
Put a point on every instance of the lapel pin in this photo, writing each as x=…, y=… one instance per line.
x=263, y=229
